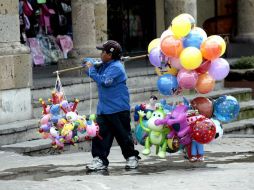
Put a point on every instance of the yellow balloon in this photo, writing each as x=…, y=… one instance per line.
x=181, y=26
x=153, y=44
x=191, y=19
x=191, y=58
x=221, y=41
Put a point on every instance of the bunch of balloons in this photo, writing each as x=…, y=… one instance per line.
x=185, y=58
x=61, y=122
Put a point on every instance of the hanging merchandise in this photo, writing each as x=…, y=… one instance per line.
x=41, y=1
x=61, y=122
x=66, y=44
x=50, y=49
x=27, y=8
x=37, y=55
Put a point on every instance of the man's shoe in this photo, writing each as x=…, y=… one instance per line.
x=131, y=162
x=96, y=165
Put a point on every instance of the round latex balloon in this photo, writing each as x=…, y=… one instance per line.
x=187, y=79
x=175, y=62
x=204, y=67
x=153, y=44
x=155, y=57
x=203, y=105
x=167, y=84
x=171, y=46
x=166, y=33
x=193, y=39
x=205, y=83
x=181, y=26
x=219, y=129
x=203, y=130
x=219, y=68
x=190, y=58
x=211, y=49
x=173, y=144
x=221, y=42
x=226, y=108
x=191, y=18
x=201, y=32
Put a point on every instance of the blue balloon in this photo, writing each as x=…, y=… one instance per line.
x=226, y=108
x=193, y=39
x=167, y=84
x=140, y=134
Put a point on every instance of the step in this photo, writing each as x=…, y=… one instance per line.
x=80, y=85
x=43, y=147
x=136, y=95
x=19, y=131
x=240, y=49
x=245, y=126
x=142, y=95
x=246, y=110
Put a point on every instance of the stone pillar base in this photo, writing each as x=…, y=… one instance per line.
x=249, y=38
x=15, y=105
x=16, y=71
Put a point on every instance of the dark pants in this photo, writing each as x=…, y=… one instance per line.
x=113, y=125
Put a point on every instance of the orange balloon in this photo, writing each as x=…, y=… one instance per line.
x=205, y=83
x=171, y=46
x=211, y=49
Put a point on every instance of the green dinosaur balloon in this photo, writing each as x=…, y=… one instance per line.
x=156, y=133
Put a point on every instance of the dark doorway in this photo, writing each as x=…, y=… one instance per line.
x=225, y=19
x=132, y=24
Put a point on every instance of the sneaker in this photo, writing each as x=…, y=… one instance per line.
x=131, y=162
x=193, y=159
x=201, y=158
x=96, y=164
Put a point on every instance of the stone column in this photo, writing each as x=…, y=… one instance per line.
x=15, y=67
x=89, y=23
x=160, y=22
x=245, y=20
x=176, y=7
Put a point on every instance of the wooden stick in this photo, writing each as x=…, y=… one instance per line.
x=81, y=67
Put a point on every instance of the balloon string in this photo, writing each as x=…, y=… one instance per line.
x=91, y=93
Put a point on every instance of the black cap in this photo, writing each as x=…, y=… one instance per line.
x=111, y=46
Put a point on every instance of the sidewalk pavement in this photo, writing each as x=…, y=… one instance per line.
x=229, y=164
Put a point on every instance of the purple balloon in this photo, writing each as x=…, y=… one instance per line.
x=219, y=68
x=187, y=79
x=155, y=57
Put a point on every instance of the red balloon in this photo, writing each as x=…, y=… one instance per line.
x=203, y=130
x=204, y=67
x=203, y=105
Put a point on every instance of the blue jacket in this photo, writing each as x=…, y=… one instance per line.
x=112, y=89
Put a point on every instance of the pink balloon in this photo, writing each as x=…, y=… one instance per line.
x=187, y=79
x=175, y=62
x=45, y=119
x=219, y=69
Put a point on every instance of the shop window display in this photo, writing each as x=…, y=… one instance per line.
x=45, y=25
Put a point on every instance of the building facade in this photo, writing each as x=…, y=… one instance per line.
x=94, y=21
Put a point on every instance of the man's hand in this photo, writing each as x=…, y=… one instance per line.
x=87, y=62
